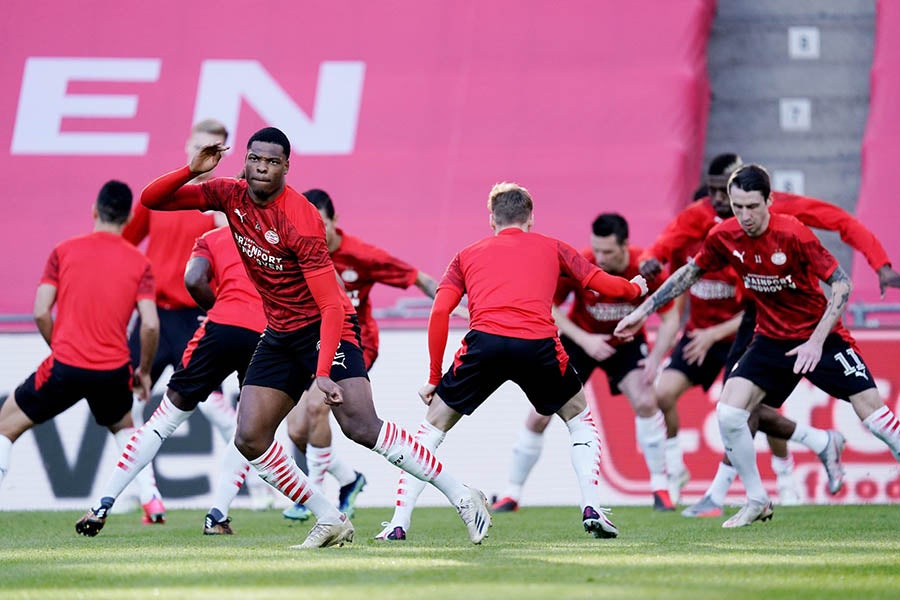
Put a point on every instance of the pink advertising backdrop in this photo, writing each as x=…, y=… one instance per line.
x=406, y=112
x=878, y=207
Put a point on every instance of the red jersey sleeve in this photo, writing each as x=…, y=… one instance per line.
x=308, y=240
x=51, y=269
x=453, y=277
x=593, y=277
x=688, y=227
x=824, y=215
x=390, y=270
x=328, y=296
x=146, y=286
x=438, y=329
x=821, y=262
x=138, y=227
x=712, y=256
x=169, y=192
x=201, y=249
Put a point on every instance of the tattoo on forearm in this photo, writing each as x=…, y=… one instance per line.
x=677, y=283
x=841, y=286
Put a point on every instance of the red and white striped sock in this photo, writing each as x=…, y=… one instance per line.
x=585, y=452
x=318, y=460
x=144, y=445
x=401, y=449
x=884, y=425
x=408, y=487
x=146, y=478
x=280, y=471
x=232, y=475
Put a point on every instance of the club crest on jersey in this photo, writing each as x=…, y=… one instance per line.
x=272, y=236
x=349, y=275
x=779, y=258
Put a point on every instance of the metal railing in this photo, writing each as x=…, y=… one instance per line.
x=861, y=315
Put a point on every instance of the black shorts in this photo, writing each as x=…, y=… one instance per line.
x=286, y=361
x=215, y=352
x=176, y=328
x=742, y=339
x=486, y=361
x=55, y=387
x=625, y=360
x=705, y=374
x=840, y=373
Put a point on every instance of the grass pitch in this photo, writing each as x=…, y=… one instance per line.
x=842, y=552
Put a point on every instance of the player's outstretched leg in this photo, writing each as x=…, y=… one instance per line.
x=139, y=451
x=409, y=488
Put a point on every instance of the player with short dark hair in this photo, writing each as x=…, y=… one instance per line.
x=798, y=330
x=682, y=237
x=95, y=281
x=510, y=279
x=311, y=331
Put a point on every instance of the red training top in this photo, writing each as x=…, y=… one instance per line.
x=694, y=222
x=715, y=298
x=99, y=279
x=510, y=279
x=361, y=266
x=283, y=248
x=237, y=301
x=600, y=313
x=781, y=270
x=172, y=236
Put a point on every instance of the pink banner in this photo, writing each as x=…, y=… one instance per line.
x=406, y=112
x=878, y=207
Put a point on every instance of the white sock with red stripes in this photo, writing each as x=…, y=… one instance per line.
x=145, y=479
x=585, y=453
x=402, y=450
x=884, y=425
x=142, y=448
x=408, y=487
x=318, y=459
x=232, y=475
x=651, y=437
x=280, y=471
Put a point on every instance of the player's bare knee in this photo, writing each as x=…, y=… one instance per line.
x=250, y=445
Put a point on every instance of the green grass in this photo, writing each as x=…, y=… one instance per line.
x=842, y=552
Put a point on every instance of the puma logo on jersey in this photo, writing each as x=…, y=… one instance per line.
x=740, y=255
x=240, y=215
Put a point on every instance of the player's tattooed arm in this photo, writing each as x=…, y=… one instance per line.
x=841, y=286
x=678, y=283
